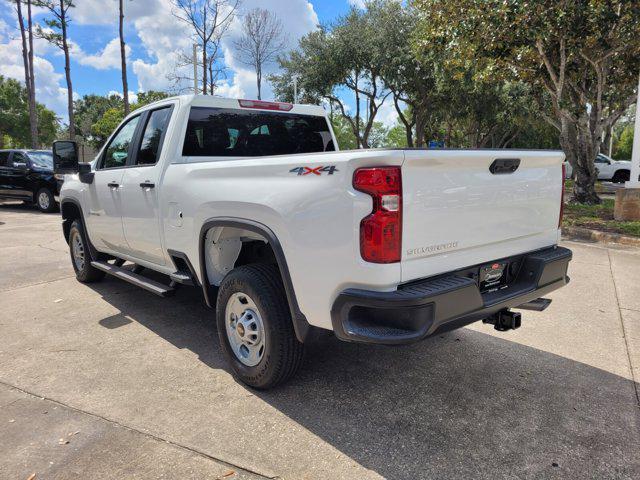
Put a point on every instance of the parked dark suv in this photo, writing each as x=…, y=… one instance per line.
x=28, y=175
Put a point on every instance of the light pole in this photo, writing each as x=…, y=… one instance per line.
x=195, y=68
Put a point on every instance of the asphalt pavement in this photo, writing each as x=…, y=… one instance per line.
x=109, y=381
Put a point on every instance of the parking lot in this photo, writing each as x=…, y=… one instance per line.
x=108, y=381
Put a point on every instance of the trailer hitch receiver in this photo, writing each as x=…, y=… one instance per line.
x=504, y=320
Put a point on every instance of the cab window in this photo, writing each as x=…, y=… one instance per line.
x=151, y=143
x=117, y=151
x=4, y=159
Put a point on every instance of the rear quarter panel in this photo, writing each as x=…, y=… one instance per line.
x=316, y=218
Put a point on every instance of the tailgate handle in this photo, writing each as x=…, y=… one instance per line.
x=501, y=166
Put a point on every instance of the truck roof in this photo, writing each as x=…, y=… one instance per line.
x=220, y=102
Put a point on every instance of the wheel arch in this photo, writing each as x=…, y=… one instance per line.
x=300, y=323
x=71, y=210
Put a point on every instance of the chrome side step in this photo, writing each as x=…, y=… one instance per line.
x=134, y=278
x=538, y=305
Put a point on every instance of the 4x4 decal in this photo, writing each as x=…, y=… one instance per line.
x=314, y=170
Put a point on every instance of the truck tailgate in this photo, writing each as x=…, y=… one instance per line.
x=457, y=213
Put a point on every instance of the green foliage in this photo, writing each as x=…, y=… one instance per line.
x=14, y=117
x=111, y=113
x=333, y=62
x=343, y=132
x=89, y=110
x=396, y=137
x=580, y=60
x=624, y=145
x=598, y=217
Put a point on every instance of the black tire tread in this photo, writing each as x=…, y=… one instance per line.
x=89, y=273
x=286, y=358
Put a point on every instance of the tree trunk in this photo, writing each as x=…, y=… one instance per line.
x=27, y=78
x=580, y=154
x=211, y=82
x=421, y=125
x=67, y=71
x=408, y=126
x=259, y=80
x=123, y=59
x=33, y=110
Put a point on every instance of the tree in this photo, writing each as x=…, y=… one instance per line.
x=260, y=42
x=332, y=61
x=109, y=120
x=15, y=120
x=580, y=58
x=624, y=145
x=89, y=110
x=123, y=59
x=56, y=34
x=27, y=58
x=210, y=20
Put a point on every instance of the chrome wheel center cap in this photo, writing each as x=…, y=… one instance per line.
x=240, y=330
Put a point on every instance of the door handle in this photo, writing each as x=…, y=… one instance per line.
x=113, y=185
x=147, y=184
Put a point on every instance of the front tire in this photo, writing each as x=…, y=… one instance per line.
x=80, y=255
x=45, y=201
x=255, y=328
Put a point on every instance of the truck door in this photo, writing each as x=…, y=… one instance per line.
x=141, y=213
x=104, y=194
x=6, y=179
x=21, y=182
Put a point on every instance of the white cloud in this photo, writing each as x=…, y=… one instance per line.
x=298, y=18
x=133, y=97
x=108, y=57
x=48, y=83
x=105, y=12
x=387, y=113
x=357, y=3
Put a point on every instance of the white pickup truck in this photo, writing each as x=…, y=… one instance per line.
x=254, y=203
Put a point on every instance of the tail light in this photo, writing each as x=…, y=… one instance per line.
x=564, y=169
x=381, y=231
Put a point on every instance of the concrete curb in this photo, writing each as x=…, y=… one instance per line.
x=579, y=233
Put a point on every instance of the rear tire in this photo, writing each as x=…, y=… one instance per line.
x=255, y=328
x=81, y=256
x=45, y=201
x=621, y=176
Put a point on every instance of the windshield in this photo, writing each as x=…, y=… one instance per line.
x=41, y=159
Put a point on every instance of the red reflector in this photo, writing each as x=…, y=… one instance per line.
x=562, y=197
x=259, y=104
x=381, y=231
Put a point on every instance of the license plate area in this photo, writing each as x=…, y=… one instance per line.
x=493, y=276
x=496, y=275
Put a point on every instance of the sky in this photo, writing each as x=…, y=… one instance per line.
x=154, y=37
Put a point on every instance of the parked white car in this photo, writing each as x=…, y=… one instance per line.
x=252, y=202
x=617, y=171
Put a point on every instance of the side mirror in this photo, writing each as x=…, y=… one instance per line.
x=65, y=157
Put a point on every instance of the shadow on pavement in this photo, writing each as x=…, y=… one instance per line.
x=463, y=404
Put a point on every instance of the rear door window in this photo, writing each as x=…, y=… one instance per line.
x=221, y=132
x=151, y=142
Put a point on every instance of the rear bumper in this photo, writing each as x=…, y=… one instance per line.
x=419, y=309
